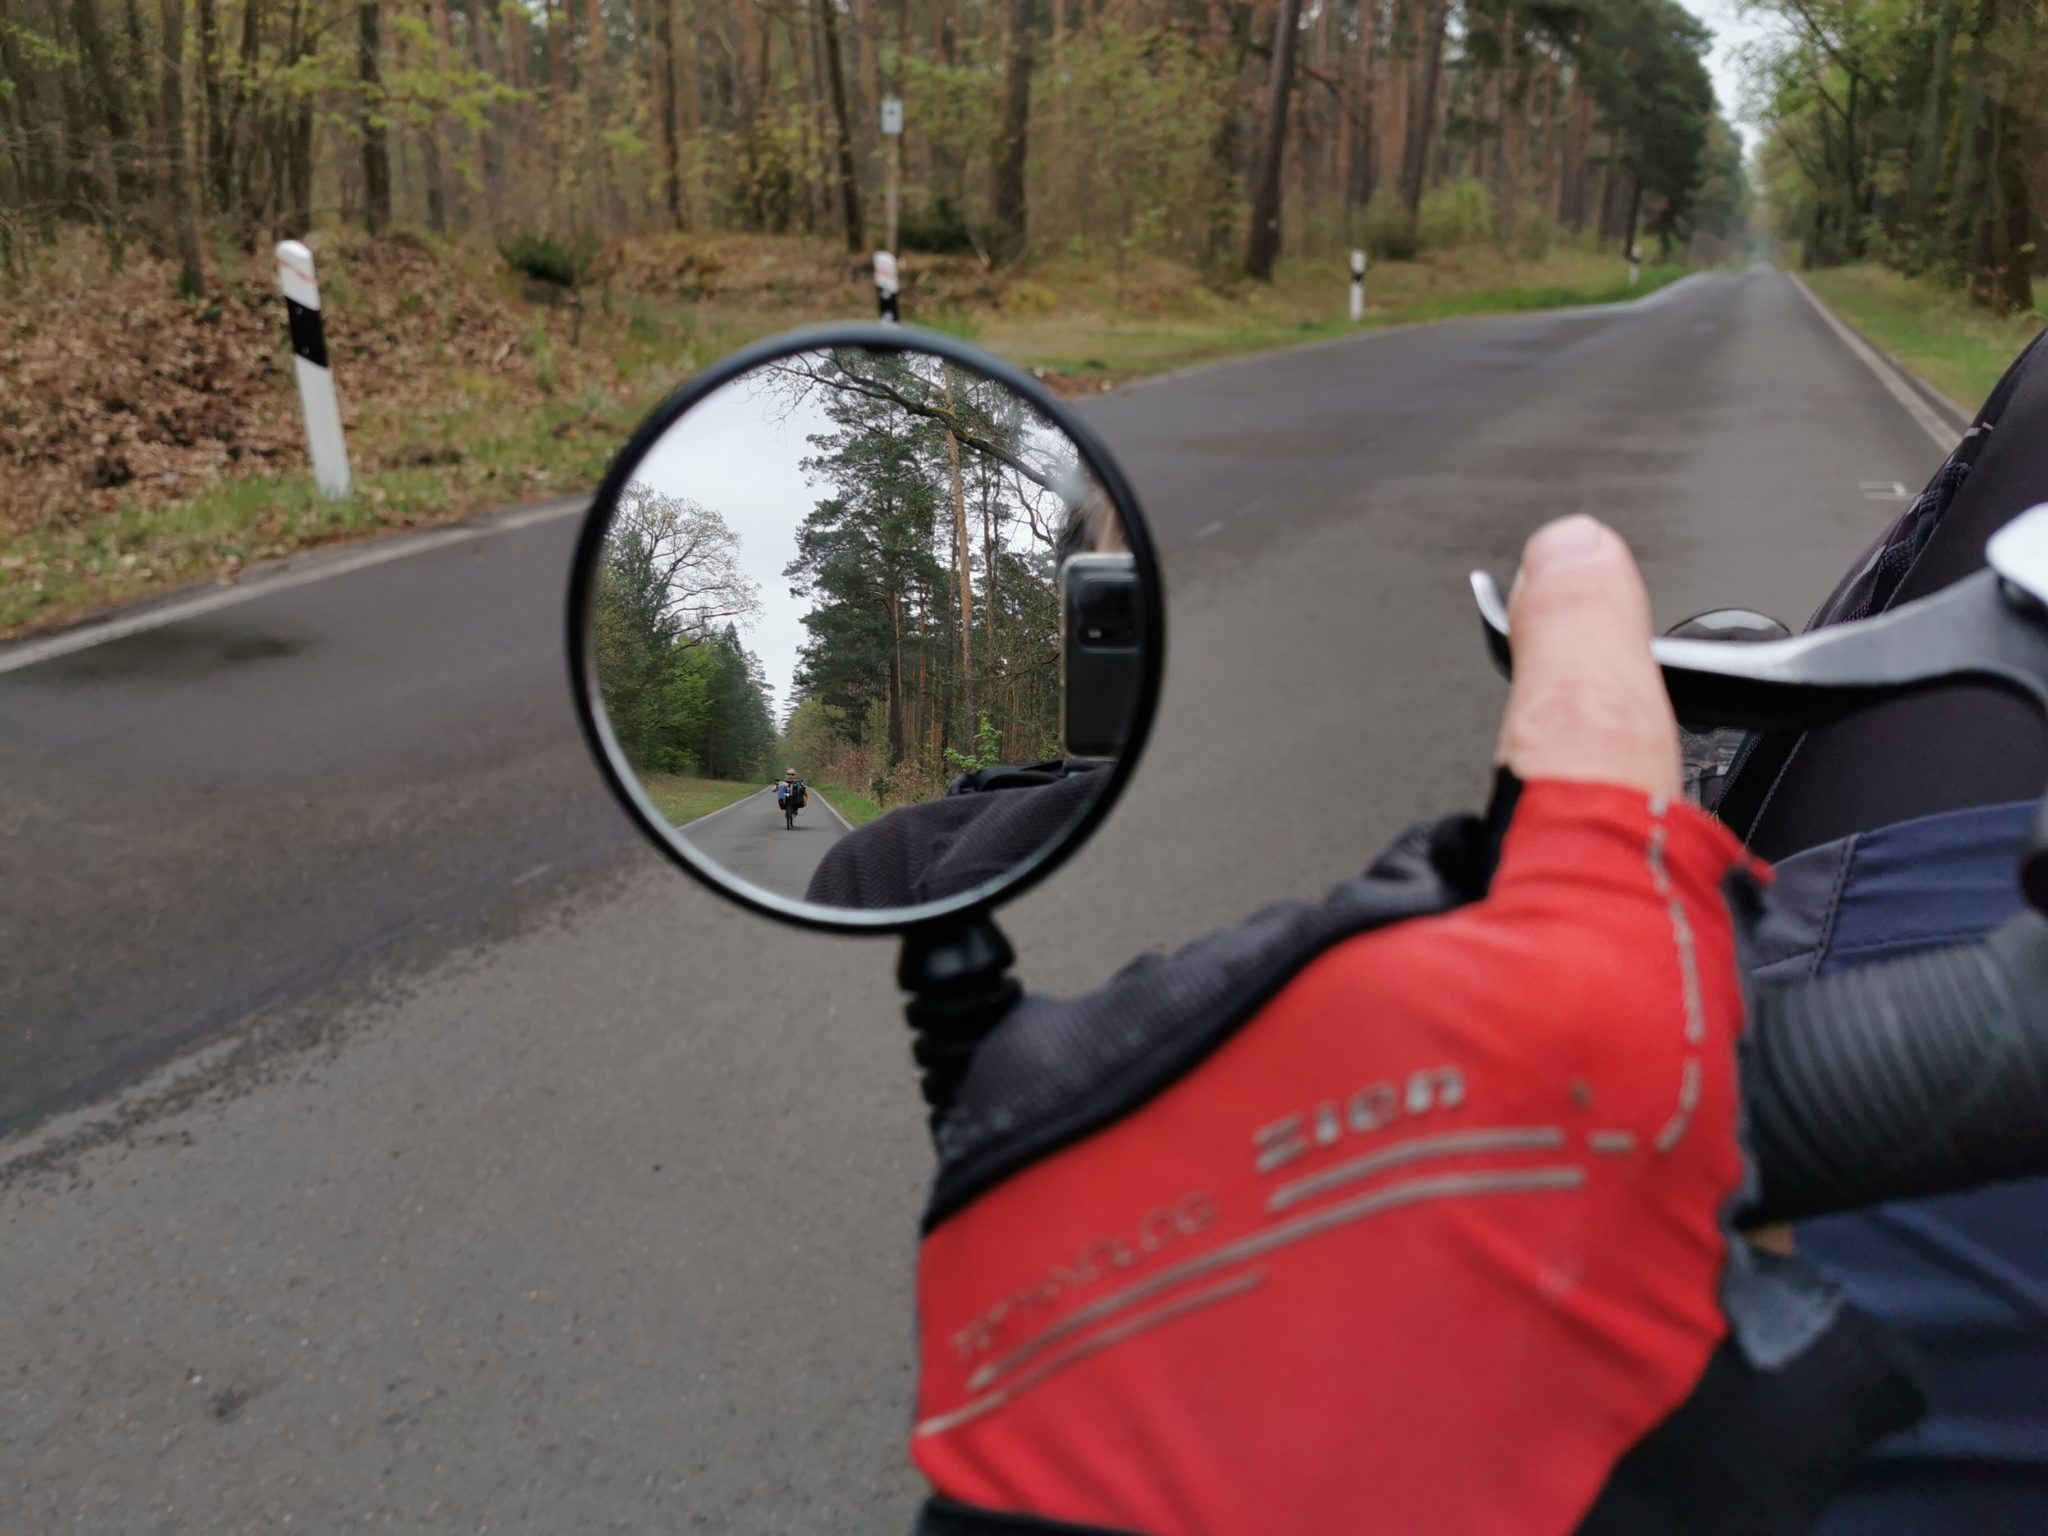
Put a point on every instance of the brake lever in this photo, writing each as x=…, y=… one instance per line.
x=1991, y=626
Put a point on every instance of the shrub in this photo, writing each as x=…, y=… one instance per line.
x=1028, y=298
x=1534, y=232
x=1389, y=233
x=939, y=228
x=547, y=260
x=1456, y=215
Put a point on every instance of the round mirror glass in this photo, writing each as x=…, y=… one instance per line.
x=1708, y=751
x=866, y=632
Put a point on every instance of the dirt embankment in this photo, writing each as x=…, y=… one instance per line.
x=116, y=391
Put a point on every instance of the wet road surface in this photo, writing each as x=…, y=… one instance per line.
x=399, y=1144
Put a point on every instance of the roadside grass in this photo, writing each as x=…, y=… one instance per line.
x=1306, y=303
x=857, y=809
x=437, y=433
x=682, y=799
x=1959, y=347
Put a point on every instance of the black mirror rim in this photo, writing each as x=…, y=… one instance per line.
x=604, y=748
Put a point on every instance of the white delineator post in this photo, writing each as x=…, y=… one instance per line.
x=309, y=361
x=1635, y=265
x=885, y=286
x=1357, y=285
x=885, y=260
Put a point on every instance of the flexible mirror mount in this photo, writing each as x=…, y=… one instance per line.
x=956, y=972
x=1991, y=627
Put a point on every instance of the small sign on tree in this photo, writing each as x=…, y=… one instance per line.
x=892, y=116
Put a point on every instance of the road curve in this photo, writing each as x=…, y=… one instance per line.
x=513, y=1186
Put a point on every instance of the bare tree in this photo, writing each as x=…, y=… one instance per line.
x=694, y=558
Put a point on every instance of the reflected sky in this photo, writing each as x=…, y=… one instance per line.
x=737, y=452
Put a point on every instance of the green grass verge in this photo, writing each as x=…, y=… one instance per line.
x=682, y=799
x=1957, y=346
x=857, y=809
x=1114, y=354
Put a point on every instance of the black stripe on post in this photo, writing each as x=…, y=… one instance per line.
x=308, y=340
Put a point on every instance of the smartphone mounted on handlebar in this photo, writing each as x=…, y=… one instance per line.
x=1102, y=658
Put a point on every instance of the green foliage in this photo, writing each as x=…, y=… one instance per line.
x=1532, y=233
x=1910, y=136
x=1387, y=230
x=1646, y=65
x=682, y=694
x=1456, y=215
x=1121, y=147
x=565, y=264
x=988, y=749
x=896, y=693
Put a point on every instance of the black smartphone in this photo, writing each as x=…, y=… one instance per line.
x=1100, y=664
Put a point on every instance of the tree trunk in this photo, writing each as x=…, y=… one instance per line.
x=484, y=56
x=376, y=137
x=849, y=179
x=2003, y=261
x=1012, y=147
x=602, y=192
x=1578, y=146
x=113, y=95
x=665, y=96
x=965, y=564
x=1423, y=106
x=217, y=176
x=298, y=136
x=181, y=219
x=893, y=600
x=1360, y=171
x=233, y=149
x=1262, y=243
x=1933, y=125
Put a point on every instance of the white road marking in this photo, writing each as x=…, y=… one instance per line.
x=28, y=653
x=1211, y=530
x=1884, y=490
x=1943, y=435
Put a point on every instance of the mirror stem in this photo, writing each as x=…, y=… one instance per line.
x=957, y=974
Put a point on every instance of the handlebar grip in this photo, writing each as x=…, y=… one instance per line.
x=1925, y=1075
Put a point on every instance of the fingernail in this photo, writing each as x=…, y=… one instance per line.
x=1570, y=541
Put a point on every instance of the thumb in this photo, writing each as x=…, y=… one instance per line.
x=1587, y=701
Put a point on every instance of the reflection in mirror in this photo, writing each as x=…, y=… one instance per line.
x=1707, y=751
x=867, y=629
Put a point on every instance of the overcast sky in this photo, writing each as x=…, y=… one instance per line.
x=1731, y=31
x=737, y=453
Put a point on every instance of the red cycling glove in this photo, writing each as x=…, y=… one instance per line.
x=1337, y=1222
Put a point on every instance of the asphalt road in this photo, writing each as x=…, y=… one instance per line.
x=397, y=1144
x=751, y=839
